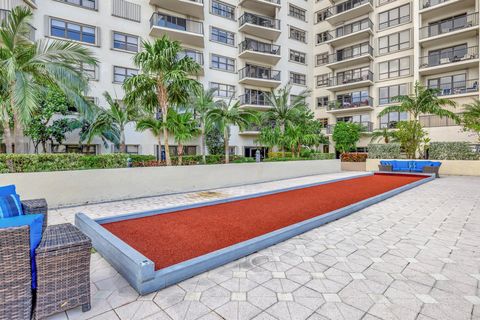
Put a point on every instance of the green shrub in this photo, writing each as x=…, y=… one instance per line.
x=384, y=151
x=243, y=160
x=322, y=156
x=452, y=151
x=315, y=156
x=279, y=155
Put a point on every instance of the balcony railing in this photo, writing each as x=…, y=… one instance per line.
x=256, y=99
x=349, y=78
x=177, y=23
x=431, y=3
x=252, y=128
x=4, y=14
x=437, y=59
x=257, y=46
x=351, y=52
x=457, y=87
x=345, y=30
x=366, y=126
x=258, y=20
x=450, y=25
x=341, y=105
x=259, y=73
x=342, y=7
x=197, y=56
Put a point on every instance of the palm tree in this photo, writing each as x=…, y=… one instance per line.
x=26, y=67
x=229, y=114
x=383, y=134
x=155, y=126
x=284, y=108
x=202, y=103
x=471, y=117
x=184, y=127
x=163, y=80
x=97, y=123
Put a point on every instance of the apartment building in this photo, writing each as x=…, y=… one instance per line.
x=354, y=55
x=368, y=51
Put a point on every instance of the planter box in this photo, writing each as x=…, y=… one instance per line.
x=354, y=166
x=448, y=167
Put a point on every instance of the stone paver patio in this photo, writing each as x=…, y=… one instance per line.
x=413, y=256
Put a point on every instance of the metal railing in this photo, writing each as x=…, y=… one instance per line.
x=343, y=7
x=259, y=73
x=430, y=3
x=257, y=99
x=449, y=25
x=351, y=52
x=341, y=105
x=345, y=30
x=348, y=78
x=437, y=59
x=457, y=87
x=176, y=23
x=257, y=46
x=258, y=20
x=197, y=56
x=366, y=126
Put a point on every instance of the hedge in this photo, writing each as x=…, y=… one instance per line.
x=452, y=151
x=384, y=151
x=316, y=156
x=353, y=157
x=193, y=160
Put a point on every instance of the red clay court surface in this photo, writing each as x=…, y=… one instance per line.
x=170, y=238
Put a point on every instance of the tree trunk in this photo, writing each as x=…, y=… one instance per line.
x=123, y=145
x=282, y=130
x=163, y=102
x=159, y=138
x=227, y=147
x=19, y=140
x=7, y=137
x=180, y=154
x=44, y=146
x=202, y=143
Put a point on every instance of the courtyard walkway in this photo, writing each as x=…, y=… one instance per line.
x=413, y=256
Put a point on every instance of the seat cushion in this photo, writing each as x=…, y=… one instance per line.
x=7, y=190
x=419, y=165
x=401, y=165
x=10, y=206
x=35, y=222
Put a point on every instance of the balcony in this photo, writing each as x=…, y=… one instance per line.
x=255, y=101
x=347, y=11
x=367, y=126
x=193, y=8
x=450, y=30
x=197, y=56
x=251, y=130
x=456, y=59
x=348, y=81
x=458, y=88
x=266, y=7
x=350, y=56
x=435, y=8
x=186, y=31
x=349, y=33
x=260, y=26
x=361, y=104
x=259, y=51
x=258, y=76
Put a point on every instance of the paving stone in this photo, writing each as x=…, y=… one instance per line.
x=238, y=310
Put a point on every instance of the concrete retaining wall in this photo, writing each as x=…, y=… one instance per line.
x=449, y=167
x=65, y=188
x=353, y=166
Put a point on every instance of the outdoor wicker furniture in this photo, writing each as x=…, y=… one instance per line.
x=420, y=166
x=36, y=206
x=63, y=271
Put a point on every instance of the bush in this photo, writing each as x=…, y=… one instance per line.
x=322, y=156
x=384, y=151
x=452, y=151
x=272, y=154
x=354, y=157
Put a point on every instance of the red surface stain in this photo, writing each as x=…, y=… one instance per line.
x=168, y=239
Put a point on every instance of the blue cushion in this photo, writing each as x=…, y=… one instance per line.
x=402, y=165
x=6, y=190
x=435, y=163
x=35, y=222
x=10, y=206
x=420, y=164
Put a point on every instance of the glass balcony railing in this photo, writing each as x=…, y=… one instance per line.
x=449, y=25
x=351, y=53
x=451, y=56
x=345, y=30
x=258, y=20
x=176, y=23
x=431, y=3
x=254, y=98
x=351, y=104
x=257, y=46
x=456, y=87
x=349, y=78
x=259, y=73
x=341, y=8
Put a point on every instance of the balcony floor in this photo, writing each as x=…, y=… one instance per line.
x=351, y=85
x=450, y=37
x=455, y=66
x=185, y=37
x=350, y=110
x=265, y=58
x=350, y=14
x=264, y=83
x=449, y=6
x=351, y=38
x=187, y=7
x=350, y=62
x=259, y=31
x=264, y=7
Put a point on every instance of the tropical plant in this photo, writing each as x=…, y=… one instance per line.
x=471, y=118
x=271, y=137
x=202, y=103
x=164, y=80
x=184, y=128
x=214, y=141
x=346, y=135
x=97, y=123
x=229, y=114
x=412, y=137
x=155, y=126
x=27, y=66
x=385, y=134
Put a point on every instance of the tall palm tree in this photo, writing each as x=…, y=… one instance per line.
x=471, y=117
x=97, y=123
x=155, y=126
x=27, y=66
x=230, y=114
x=163, y=80
x=384, y=134
x=184, y=128
x=202, y=103
x=284, y=108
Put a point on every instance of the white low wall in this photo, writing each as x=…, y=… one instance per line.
x=448, y=167
x=65, y=188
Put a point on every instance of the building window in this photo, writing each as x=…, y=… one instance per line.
x=223, y=10
x=222, y=36
x=321, y=15
x=322, y=101
x=394, y=17
x=448, y=55
x=89, y=70
x=75, y=148
x=297, y=56
x=223, y=90
x=125, y=42
x=89, y=4
x=295, y=97
x=394, y=68
x=323, y=122
x=436, y=121
x=130, y=149
x=223, y=63
x=298, y=78
x=322, y=80
x=391, y=119
x=72, y=31
x=297, y=34
x=122, y=73
x=352, y=99
x=296, y=12
x=394, y=42
x=387, y=93
x=321, y=59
